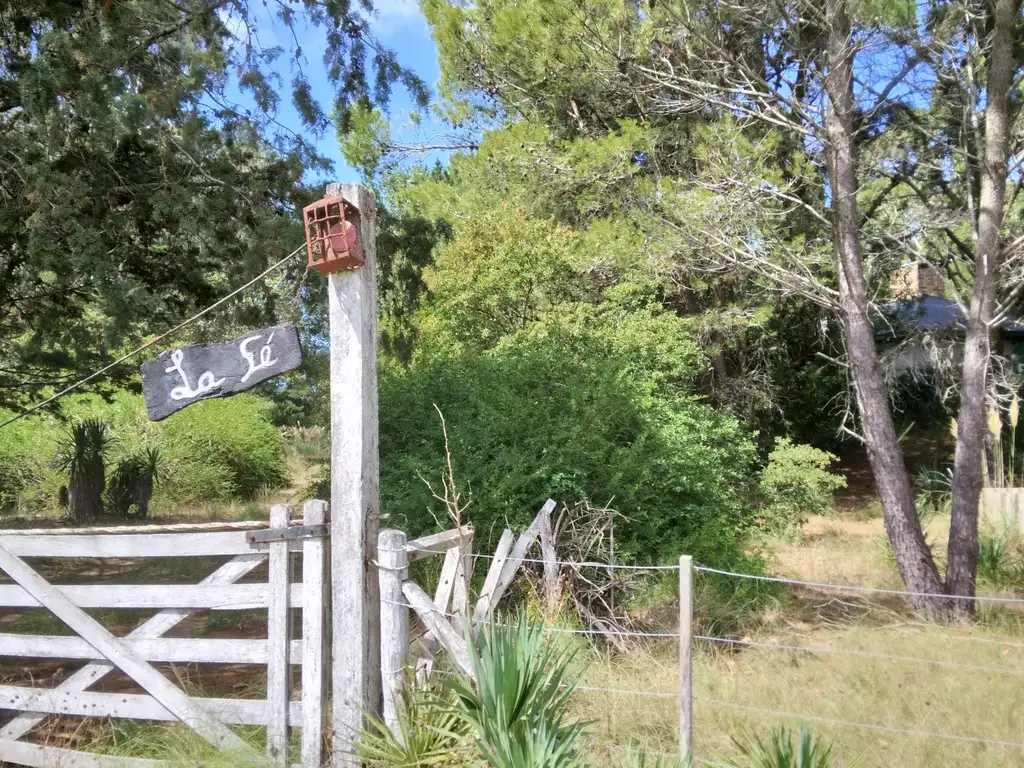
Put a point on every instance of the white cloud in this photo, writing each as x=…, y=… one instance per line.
x=394, y=14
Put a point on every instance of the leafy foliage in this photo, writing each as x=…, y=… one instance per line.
x=571, y=408
x=796, y=482
x=143, y=171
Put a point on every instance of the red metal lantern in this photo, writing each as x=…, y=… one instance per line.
x=332, y=235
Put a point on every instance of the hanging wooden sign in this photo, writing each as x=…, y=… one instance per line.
x=186, y=375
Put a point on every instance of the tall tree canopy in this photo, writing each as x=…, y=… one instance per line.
x=143, y=167
x=764, y=168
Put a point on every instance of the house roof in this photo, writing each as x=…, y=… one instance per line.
x=933, y=314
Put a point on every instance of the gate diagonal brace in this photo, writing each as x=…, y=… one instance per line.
x=291, y=533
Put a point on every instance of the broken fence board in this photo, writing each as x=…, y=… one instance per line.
x=463, y=577
x=484, y=602
x=154, y=627
x=438, y=624
x=135, y=706
x=436, y=543
x=548, y=555
x=169, y=650
x=508, y=570
x=445, y=586
x=278, y=636
x=201, y=721
x=38, y=756
x=234, y=597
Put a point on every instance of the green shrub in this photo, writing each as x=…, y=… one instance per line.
x=215, y=450
x=796, y=482
x=29, y=479
x=222, y=449
x=568, y=409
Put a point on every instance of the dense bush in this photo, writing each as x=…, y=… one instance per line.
x=571, y=407
x=796, y=482
x=216, y=450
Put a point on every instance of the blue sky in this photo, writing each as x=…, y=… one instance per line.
x=399, y=25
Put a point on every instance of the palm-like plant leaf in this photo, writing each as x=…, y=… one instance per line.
x=517, y=708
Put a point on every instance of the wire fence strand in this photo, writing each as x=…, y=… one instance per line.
x=862, y=726
x=860, y=654
x=857, y=588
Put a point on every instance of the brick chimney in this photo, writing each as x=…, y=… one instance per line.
x=917, y=279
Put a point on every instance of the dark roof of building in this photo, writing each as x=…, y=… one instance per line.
x=934, y=314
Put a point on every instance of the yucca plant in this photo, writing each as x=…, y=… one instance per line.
x=809, y=752
x=517, y=708
x=993, y=556
x=133, y=480
x=430, y=732
x=83, y=454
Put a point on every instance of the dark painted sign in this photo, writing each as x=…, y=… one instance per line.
x=189, y=374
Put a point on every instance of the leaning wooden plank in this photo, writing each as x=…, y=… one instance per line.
x=130, y=545
x=435, y=544
x=483, y=603
x=442, y=596
x=234, y=597
x=156, y=626
x=508, y=571
x=438, y=624
x=463, y=577
x=134, y=706
x=200, y=650
x=314, y=639
x=279, y=623
x=54, y=757
x=194, y=716
x=547, y=548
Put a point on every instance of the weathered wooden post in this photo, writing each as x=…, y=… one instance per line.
x=394, y=624
x=341, y=238
x=685, y=657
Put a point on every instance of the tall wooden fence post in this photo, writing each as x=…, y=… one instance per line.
x=685, y=657
x=394, y=623
x=355, y=496
x=279, y=623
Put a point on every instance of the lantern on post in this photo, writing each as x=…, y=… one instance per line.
x=332, y=235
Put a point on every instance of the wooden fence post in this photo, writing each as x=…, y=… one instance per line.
x=355, y=495
x=394, y=623
x=279, y=688
x=314, y=640
x=685, y=657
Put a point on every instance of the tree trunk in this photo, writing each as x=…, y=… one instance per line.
x=968, y=475
x=913, y=558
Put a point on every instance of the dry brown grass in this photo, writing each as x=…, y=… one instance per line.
x=901, y=695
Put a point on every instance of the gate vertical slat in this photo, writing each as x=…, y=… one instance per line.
x=314, y=639
x=278, y=642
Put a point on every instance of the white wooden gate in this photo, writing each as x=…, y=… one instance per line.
x=134, y=653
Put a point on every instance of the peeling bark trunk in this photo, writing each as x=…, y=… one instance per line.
x=968, y=475
x=913, y=558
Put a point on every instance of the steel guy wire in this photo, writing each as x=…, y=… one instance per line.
x=862, y=726
x=151, y=342
x=860, y=654
x=856, y=588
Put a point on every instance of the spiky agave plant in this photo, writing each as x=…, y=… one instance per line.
x=83, y=454
x=517, y=708
x=809, y=752
x=429, y=733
